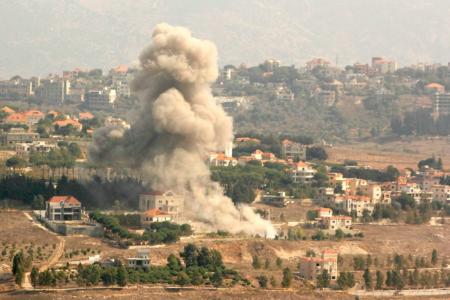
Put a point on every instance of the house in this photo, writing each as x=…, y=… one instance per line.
x=324, y=212
x=63, y=208
x=221, y=160
x=293, y=151
x=434, y=87
x=7, y=110
x=63, y=123
x=336, y=222
x=85, y=116
x=167, y=202
x=312, y=267
x=325, y=195
x=142, y=260
x=16, y=118
x=303, y=172
x=33, y=116
x=117, y=123
x=154, y=215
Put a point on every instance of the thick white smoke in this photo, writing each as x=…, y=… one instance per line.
x=177, y=125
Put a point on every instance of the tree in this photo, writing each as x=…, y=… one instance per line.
x=367, y=279
x=273, y=281
x=74, y=150
x=316, y=152
x=389, y=278
x=217, y=278
x=279, y=262
x=287, y=278
x=434, y=257
x=38, y=202
x=267, y=264
x=323, y=280
x=14, y=162
x=339, y=234
x=397, y=280
x=18, y=269
x=262, y=281
x=189, y=255
x=346, y=280
x=122, y=276
x=173, y=263
x=183, y=278
x=34, y=276
x=380, y=280
x=256, y=263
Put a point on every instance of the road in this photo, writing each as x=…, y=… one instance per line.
x=410, y=292
x=54, y=258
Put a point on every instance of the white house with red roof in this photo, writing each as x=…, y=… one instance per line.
x=154, y=215
x=63, y=208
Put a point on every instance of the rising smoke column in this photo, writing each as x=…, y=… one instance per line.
x=178, y=123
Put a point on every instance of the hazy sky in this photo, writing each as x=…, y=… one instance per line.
x=42, y=36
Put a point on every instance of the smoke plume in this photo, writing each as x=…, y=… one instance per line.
x=178, y=123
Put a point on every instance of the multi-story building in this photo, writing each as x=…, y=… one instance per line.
x=167, y=202
x=441, y=193
x=121, y=83
x=35, y=146
x=357, y=205
x=63, y=208
x=16, y=88
x=373, y=191
x=18, y=135
x=100, y=99
x=293, y=151
x=142, y=260
x=441, y=104
x=53, y=90
x=312, y=267
x=303, y=172
x=336, y=222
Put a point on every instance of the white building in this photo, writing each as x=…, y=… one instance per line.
x=142, y=260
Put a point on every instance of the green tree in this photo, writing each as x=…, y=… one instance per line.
x=122, y=276
x=217, y=278
x=339, y=234
x=183, y=278
x=173, y=263
x=287, y=278
x=255, y=262
x=14, y=162
x=262, y=281
x=267, y=264
x=379, y=280
x=273, y=281
x=323, y=280
x=434, y=257
x=279, y=262
x=18, y=268
x=367, y=279
x=34, y=276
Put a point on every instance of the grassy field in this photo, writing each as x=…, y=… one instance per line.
x=401, y=153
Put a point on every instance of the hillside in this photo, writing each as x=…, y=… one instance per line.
x=62, y=34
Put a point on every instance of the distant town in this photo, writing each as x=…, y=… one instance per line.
x=363, y=225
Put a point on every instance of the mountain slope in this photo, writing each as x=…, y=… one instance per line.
x=42, y=36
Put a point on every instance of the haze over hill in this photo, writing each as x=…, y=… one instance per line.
x=42, y=36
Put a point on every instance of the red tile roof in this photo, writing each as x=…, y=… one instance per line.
x=66, y=199
x=155, y=212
